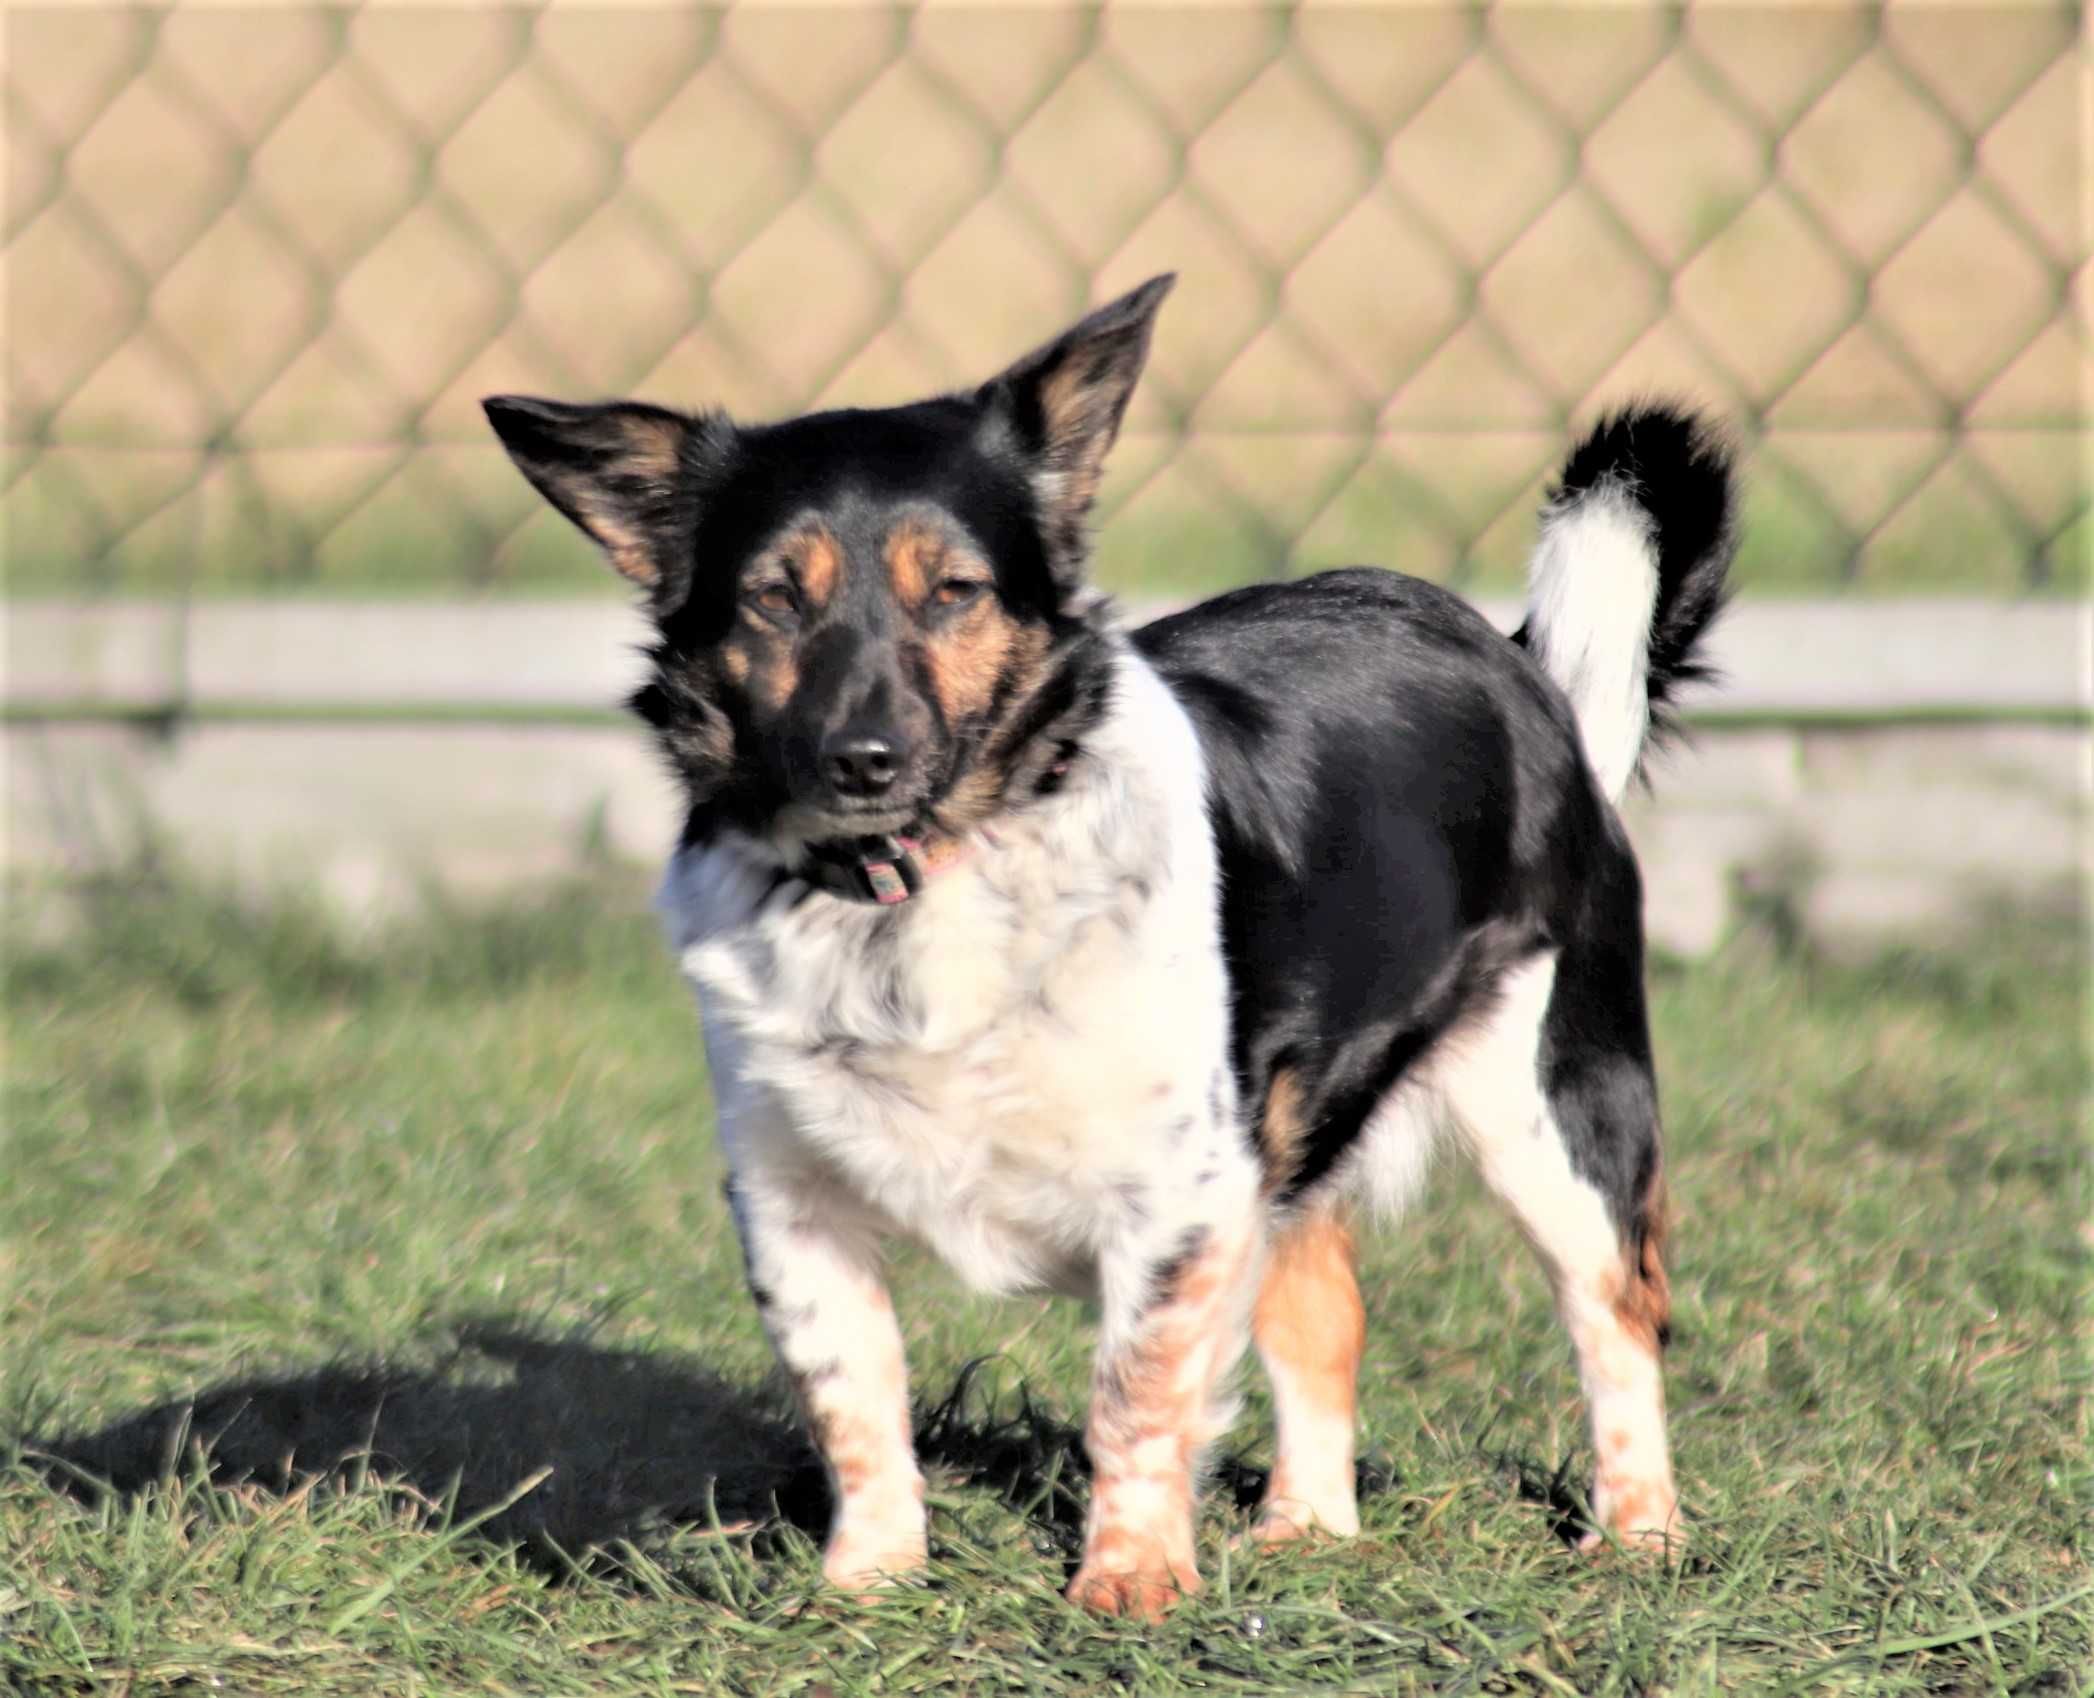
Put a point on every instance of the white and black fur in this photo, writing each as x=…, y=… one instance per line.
x=1240, y=913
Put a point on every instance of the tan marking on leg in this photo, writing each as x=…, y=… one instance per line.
x=1311, y=1328
x=1611, y=1296
x=1645, y=1303
x=1620, y=1361
x=857, y=1443
x=1641, y=1515
x=1309, y=1304
x=1152, y=1414
x=1620, y=1365
x=1280, y=1129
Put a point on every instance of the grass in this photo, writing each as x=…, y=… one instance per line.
x=370, y=1322
x=1168, y=543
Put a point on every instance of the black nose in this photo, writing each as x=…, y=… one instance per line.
x=861, y=766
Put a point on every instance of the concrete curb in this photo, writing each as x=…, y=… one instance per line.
x=1950, y=656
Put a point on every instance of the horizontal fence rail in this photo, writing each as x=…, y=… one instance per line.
x=262, y=263
x=159, y=661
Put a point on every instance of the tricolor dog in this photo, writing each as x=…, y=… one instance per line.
x=1125, y=962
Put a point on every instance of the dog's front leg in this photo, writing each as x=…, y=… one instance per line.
x=818, y=1286
x=1173, y=1320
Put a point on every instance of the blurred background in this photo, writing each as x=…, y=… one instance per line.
x=278, y=607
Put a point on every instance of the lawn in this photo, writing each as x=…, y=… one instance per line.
x=370, y=1322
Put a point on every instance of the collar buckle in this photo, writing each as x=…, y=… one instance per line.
x=886, y=870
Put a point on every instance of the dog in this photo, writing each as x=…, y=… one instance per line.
x=1124, y=962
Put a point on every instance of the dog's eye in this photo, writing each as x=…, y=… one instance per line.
x=957, y=592
x=778, y=600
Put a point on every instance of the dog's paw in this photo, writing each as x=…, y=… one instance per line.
x=1638, y=1519
x=1141, y=1594
x=1282, y=1521
x=1275, y=1527
x=865, y=1568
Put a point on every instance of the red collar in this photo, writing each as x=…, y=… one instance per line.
x=886, y=870
x=890, y=868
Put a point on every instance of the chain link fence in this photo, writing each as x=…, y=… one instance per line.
x=262, y=263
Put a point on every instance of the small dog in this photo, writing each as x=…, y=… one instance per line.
x=1122, y=962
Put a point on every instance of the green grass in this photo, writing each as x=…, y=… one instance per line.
x=1172, y=548
x=323, y=1253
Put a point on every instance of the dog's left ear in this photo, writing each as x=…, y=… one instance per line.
x=628, y=474
x=1060, y=408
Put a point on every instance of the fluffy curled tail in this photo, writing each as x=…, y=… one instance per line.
x=1628, y=576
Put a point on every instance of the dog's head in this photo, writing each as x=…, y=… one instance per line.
x=866, y=620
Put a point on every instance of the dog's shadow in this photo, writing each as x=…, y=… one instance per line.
x=637, y=1442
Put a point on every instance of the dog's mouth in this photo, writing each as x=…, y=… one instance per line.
x=941, y=798
x=861, y=820
x=821, y=815
x=840, y=821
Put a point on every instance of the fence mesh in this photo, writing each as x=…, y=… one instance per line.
x=261, y=263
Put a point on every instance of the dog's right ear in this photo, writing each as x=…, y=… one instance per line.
x=628, y=474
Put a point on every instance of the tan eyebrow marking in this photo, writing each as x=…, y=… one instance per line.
x=912, y=551
x=817, y=561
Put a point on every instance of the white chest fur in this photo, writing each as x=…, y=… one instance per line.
x=1024, y=1060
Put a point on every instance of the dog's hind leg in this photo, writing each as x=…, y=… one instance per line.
x=1553, y=1093
x=1310, y=1329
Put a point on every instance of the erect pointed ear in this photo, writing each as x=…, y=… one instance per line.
x=628, y=474
x=1060, y=408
